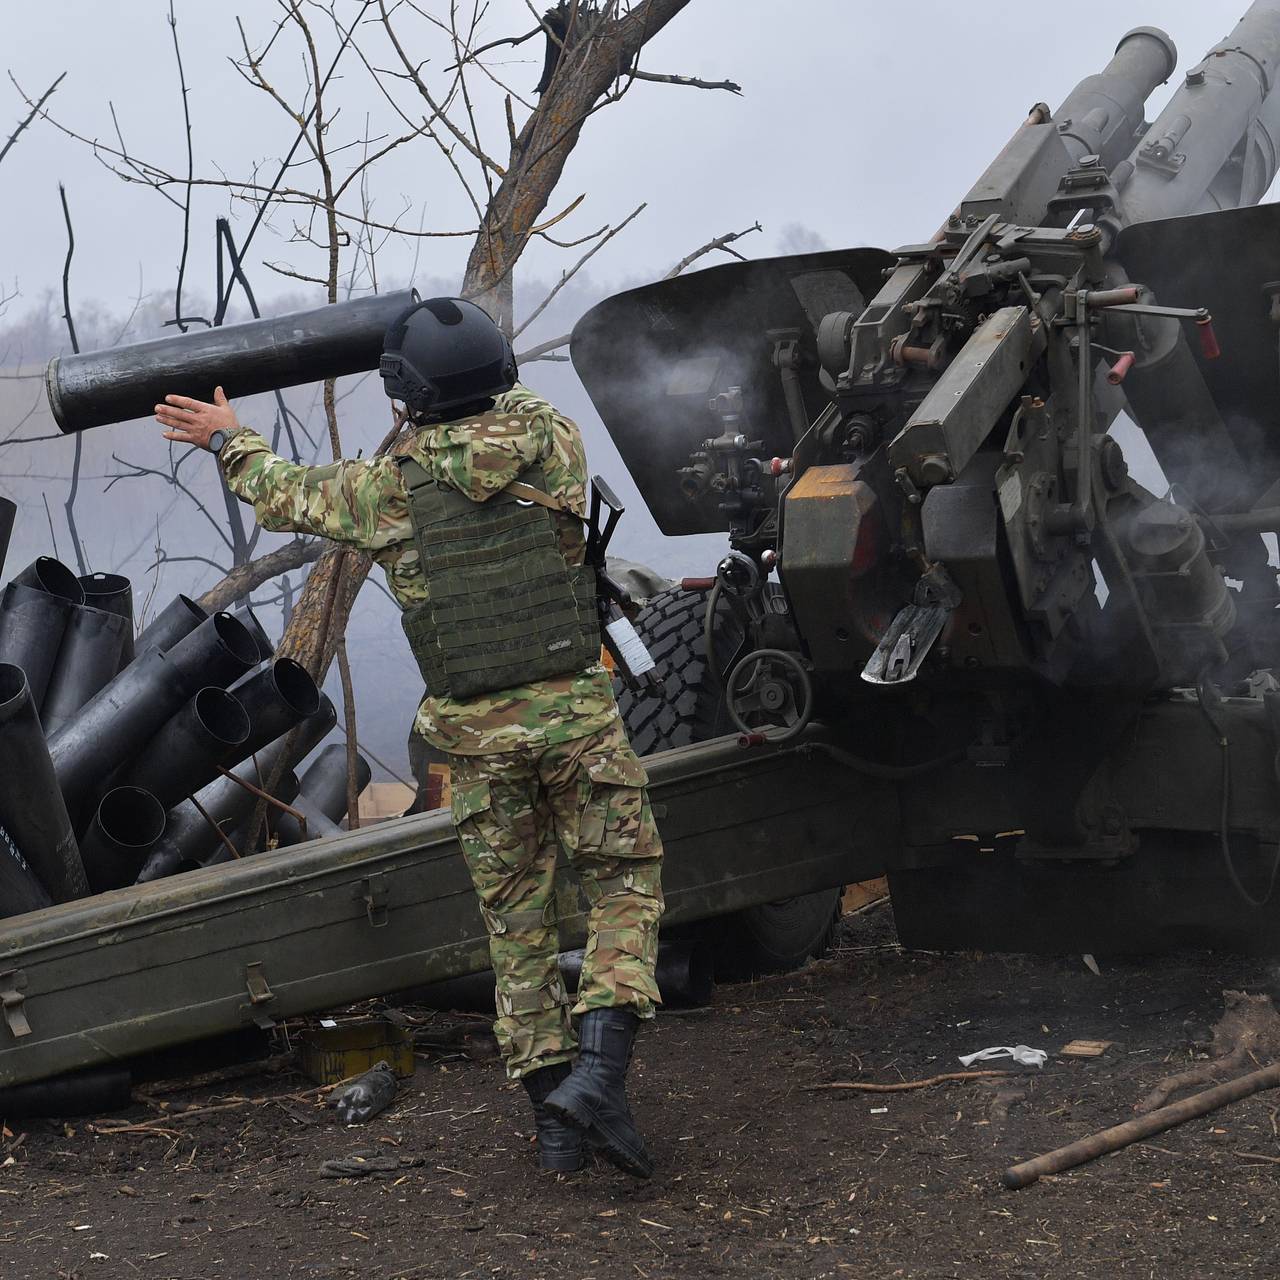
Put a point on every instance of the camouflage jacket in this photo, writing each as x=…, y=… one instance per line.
x=364, y=504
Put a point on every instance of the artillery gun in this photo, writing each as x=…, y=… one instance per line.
x=953, y=638
x=940, y=567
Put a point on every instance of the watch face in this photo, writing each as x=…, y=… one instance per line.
x=216, y=441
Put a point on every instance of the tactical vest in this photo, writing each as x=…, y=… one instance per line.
x=505, y=608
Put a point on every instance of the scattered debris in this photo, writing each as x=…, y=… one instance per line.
x=1022, y=1054
x=1085, y=1048
x=365, y=1096
x=365, y=1164
x=907, y=1085
x=336, y=1052
x=1247, y=1032
x=1131, y=1131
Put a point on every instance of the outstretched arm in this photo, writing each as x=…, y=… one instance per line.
x=359, y=503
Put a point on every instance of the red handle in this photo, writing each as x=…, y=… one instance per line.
x=1120, y=370
x=1208, y=339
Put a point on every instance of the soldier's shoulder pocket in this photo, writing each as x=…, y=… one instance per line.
x=469, y=799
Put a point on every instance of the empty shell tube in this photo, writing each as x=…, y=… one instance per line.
x=187, y=751
x=113, y=593
x=180, y=617
x=32, y=809
x=189, y=837
x=117, y=384
x=123, y=717
x=277, y=696
x=89, y=656
x=47, y=574
x=126, y=824
x=20, y=888
x=32, y=624
x=8, y=510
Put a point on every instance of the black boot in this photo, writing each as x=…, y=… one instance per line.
x=594, y=1098
x=559, y=1144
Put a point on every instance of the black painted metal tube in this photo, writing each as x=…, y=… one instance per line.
x=113, y=593
x=20, y=887
x=325, y=781
x=78, y=1093
x=288, y=830
x=45, y=573
x=189, y=836
x=266, y=649
x=126, y=825
x=187, y=751
x=180, y=617
x=32, y=810
x=277, y=696
x=117, y=384
x=32, y=623
x=286, y=791
x=685, y=972
x=8, y=511
x=89, y=655
x=117, y=722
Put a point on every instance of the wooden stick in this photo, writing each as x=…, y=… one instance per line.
x=1123, y=1135
x=907, y=1085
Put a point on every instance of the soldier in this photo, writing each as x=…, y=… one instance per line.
x=478, y=524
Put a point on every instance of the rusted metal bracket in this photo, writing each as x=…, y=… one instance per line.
x=12, y=984
x=372, y=892
x=260, y=993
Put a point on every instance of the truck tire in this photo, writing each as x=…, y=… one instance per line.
x=774, y=937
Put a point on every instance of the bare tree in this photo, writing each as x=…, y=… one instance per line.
x=320, y=200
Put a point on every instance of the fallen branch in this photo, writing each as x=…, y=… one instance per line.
x=1124, y=1135
x=907, y=1085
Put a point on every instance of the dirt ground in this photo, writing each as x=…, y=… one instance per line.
x=759, y=1173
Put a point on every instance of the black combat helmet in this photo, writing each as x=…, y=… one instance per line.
x=445, y=354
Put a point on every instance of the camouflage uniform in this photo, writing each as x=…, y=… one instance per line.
x=535, y=768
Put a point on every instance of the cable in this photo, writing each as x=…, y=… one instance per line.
x=709, y=633
x=1204, y=691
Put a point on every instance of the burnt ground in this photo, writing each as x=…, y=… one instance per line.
x=759, y=1174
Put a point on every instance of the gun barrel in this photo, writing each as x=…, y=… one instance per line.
x=1104, y=111
x=122, y=383
x=1217, y=144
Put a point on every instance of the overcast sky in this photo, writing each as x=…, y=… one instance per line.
x=864, y=122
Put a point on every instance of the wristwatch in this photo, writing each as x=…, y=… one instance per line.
x=216, y=441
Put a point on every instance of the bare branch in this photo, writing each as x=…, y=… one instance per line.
x=191, y=164
x=31, y=115
x=70, y=506
x=690, y=82
x=719, y=243
x=577, y=266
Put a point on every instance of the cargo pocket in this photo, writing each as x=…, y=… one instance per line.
x=613, y=806
x=467, y=799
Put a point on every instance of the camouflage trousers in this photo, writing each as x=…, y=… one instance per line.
x=513, y=812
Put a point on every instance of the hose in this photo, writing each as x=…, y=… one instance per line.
x=1204, y=693
x=709, y=632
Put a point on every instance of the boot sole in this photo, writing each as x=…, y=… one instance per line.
x=601, y=1140
x=561, y=1164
